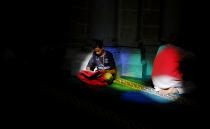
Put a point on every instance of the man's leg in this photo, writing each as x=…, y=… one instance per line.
x=108, y=77
x=97, y=82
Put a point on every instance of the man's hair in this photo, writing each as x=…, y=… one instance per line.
x=97, y=43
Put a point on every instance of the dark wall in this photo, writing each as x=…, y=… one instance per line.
x=39, y=33
x=194, y=37
x=36, y=35
x=170, y=18
x=103, y=19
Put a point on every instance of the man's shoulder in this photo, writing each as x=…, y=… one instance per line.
x=93, y=54
x=108, y=53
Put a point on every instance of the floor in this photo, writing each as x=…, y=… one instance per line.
x=110, y=107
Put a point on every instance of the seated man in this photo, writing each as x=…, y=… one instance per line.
x=104, y=63
x=167, y=77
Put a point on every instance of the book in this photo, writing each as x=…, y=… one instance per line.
x=90, y=74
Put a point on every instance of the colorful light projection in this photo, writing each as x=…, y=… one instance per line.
x=128, y=61
x=129, y=64
x=143, y=97
x=136, y=91
x=138, y=96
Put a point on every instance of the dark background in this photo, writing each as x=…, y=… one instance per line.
x=36, y=35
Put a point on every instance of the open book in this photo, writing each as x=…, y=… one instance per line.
x=90, y=74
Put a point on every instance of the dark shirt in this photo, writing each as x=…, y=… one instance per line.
x=106, y=62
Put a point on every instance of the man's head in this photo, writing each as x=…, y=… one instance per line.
x=98, y=47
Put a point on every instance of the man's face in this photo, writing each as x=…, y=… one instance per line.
x=98, y=51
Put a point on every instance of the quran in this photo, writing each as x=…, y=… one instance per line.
x=91, y=74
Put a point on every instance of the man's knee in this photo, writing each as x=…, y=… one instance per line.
x=108, y=76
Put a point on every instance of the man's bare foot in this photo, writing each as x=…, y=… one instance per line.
x=171, y=90
x=164, y=92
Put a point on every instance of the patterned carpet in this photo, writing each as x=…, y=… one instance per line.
x=136, y=90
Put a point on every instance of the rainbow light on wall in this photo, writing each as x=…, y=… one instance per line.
x=128, y=61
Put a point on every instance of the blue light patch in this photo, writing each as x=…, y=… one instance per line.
x=143, y=97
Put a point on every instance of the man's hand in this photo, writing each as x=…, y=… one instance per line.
x=88, y=68
x=171, y=90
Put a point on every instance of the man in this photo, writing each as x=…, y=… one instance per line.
x=103, y=61
x=166, y=74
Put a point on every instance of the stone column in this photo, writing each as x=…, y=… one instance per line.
x=171, y=14
x=102, y=20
